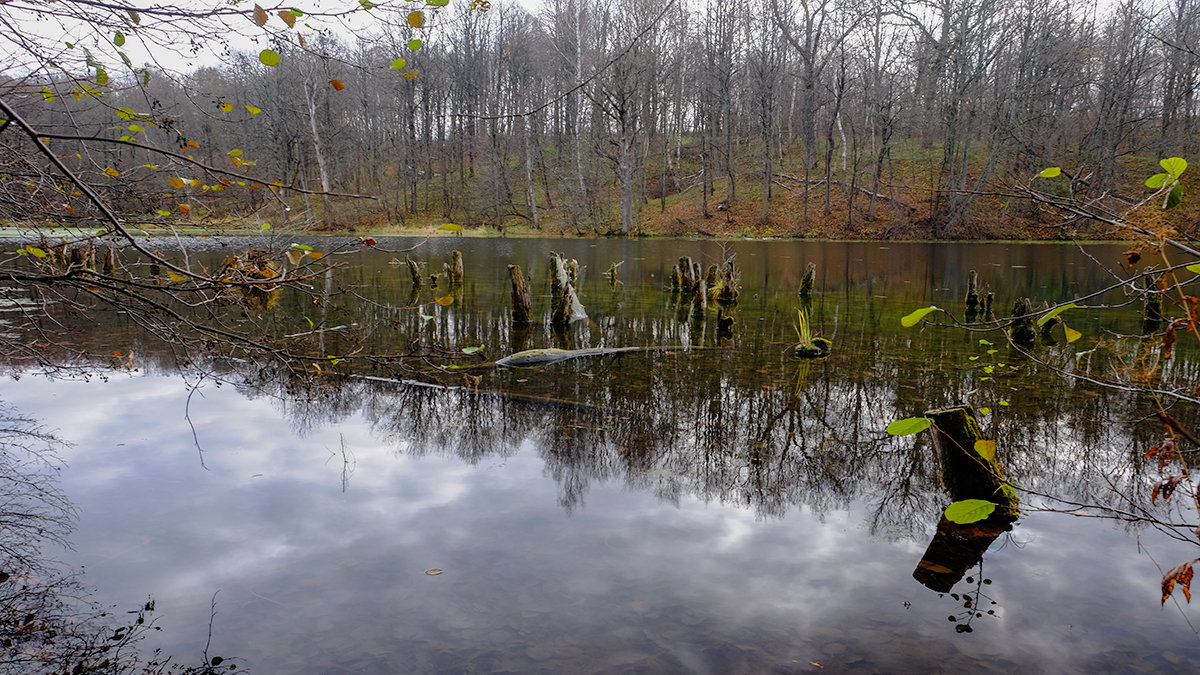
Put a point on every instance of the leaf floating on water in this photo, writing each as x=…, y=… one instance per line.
x=433, y=572
x=257, y=475
x=445, y=301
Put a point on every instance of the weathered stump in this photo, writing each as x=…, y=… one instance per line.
x=808, y=280
x=972, y=300
x=969, y=469
x=1021, y=331
x=522, y=306
x=415, y=272
x=454, y=268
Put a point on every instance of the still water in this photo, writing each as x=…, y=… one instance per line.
x=717, y=507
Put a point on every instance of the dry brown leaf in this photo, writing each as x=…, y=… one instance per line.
x=1181, y=574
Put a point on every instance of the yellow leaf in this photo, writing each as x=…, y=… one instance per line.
x=175, y=277
x=1072, y=334
x=315, y=255
x=112, y=172
x=193, y=144
x=294, y=257
x=412, y=74
x=445, y=301
x=288, y=18
x=451, y=227
x=986, y=449
x=196, y=182
x=338, y=85
x=176, y=182
x=260, y=16
x=416, y=19
x=184, y=208
x=226, y=107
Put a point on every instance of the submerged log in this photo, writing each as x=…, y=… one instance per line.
x=542, y=357
x=522, y=306
x=808, y=280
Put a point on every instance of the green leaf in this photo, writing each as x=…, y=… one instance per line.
x=1050, y=172
x=134, y=16
x=1175, y=166
x=471, y=350
x=366, y=4
x=136, y=128
x=163, y=212
x=913, y=319
x=985, y=411
x=236, y=152
x=264, y=226
x=252, y=110
x=47, y=95
x=414, y=44
x=101, y=77
x=1174, y=197
x=1193, y=268
x=269, y=57
x=1055, y=312
x=302, y=247
x=451, y=227
x=35, y=251
x=969, y=511
x=982, y=341
x=909, y=426
x=437, y=3
x=295, y=12
x=1156, y=181
x=399, y=64
x=119, y=39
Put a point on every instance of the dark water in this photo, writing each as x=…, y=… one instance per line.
x=717, y=508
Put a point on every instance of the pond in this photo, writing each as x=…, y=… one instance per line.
x=717, y=506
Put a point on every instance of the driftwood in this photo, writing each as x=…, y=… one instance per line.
x=543, y=357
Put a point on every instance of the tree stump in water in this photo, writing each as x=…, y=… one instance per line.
x=807, y=281
x=415, y=272
x=972, y=300
x=969, y=468
x=454, y=269
x=522, y=306
x=1021, y=332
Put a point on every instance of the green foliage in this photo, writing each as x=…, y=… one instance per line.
x=910, y=320
x=1173, y=168
x=909, y=426
x=1055, y=312
x=969, y=511
x=269, y=57
x=1050, y=172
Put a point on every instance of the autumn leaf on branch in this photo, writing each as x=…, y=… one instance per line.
x=1165, y=488
x=1181, y=574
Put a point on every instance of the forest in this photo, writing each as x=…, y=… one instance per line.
x=859, y=119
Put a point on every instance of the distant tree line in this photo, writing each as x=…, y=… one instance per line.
x=595, y=114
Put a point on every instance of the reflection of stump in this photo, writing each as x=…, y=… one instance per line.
x=956, y=549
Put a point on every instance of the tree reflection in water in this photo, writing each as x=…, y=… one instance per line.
x=47, y=621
